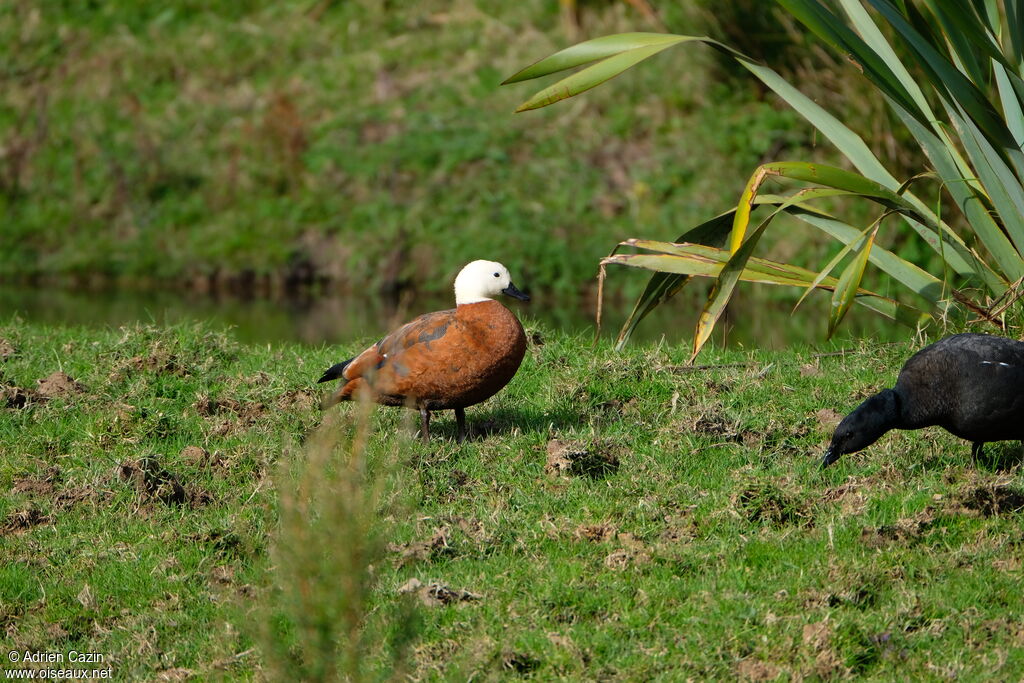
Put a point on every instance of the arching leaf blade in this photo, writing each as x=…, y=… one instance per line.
x=591, y=51
x=849, y=282
x=595, y=75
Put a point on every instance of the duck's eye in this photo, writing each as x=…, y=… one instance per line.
x=496, y=275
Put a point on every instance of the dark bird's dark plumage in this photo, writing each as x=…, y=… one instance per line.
x=971, y=385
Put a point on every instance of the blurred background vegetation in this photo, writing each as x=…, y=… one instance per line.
x=366, y=146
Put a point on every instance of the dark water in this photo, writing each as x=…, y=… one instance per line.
x=750, y=322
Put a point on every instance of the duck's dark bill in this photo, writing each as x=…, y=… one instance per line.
x=515, y=293
x=830, y=457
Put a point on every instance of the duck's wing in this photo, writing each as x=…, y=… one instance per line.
x=408, y=346
x=418, y=335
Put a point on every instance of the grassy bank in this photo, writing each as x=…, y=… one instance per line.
x=259, y=145
x=619, y=516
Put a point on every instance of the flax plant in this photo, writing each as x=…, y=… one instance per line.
x=951, y=74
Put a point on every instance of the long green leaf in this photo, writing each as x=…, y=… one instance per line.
x=725, y=285
x=1011, y=100
x=663, y=286
x=770, y=270
x=969, y=42
x=830, y=266
x=954, y=86
x=914, y=278
x=591, y=51
x=846, y=141
x=1015, y=28
x=849, y=282
x=593, y=76
x=1005, y=192
x=785, y=169
x=966, y=196
x=868, y=30
x=829, y=28
x=700, y=267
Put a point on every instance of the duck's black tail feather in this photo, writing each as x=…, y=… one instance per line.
x=335, y=371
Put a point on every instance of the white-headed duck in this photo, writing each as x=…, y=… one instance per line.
x=443, y=360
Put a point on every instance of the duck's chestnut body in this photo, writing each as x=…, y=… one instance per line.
x=443, y=360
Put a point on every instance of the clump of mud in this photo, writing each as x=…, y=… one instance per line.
x=16, y=397
x=59, y=384
x=437, y=594
x=767, y=503
x=7, y=349
x=428, y=550
x=152, y=481
x=20, y=521
x=577, y=458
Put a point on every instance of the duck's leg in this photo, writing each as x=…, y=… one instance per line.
x=976, y=451
x=460, y=421
x=425, y=418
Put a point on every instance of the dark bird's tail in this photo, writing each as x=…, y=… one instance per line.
x=335, y=371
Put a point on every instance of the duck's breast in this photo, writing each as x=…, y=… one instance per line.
x=452, y=358
x=479, y=355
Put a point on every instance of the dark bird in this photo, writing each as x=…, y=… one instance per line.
x=971, y=385
x=443, y=360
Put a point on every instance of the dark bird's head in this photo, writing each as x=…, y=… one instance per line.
x=864, y=426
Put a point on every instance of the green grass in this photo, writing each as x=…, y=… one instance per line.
x=697, y=538
x=207, y=142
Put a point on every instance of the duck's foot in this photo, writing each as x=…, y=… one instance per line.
x=425, y=429
x=460, y=421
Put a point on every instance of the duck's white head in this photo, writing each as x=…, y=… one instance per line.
x=484, y=280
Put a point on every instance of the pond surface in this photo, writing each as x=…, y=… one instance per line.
x=751, y=322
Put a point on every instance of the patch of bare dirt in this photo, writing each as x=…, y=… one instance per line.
x=632, y=552
x=16, y=397
x=20, y=521
x=222, y=575
x=302, y=400
x=437, y=594
x=59, y=384
x=595, y=533
x=575, y=457
x=423, y=551
x=999, y=628
x=152, y=481
x=828, y=419
x=768, y=503
x=1008, y=564
x=196, y=455
x=809, y=370
x=680, y=526
x=41, y=484
x=848, y=496
x=905, y=530
x=68, y=497
x=716, y=424
x=234, y=415
x=987, y=499
x=817, y=638
x=203, y=459
x=751, y=669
